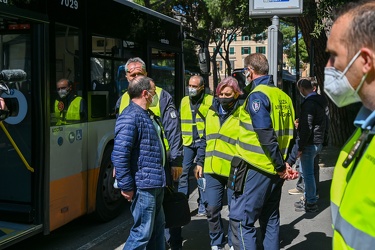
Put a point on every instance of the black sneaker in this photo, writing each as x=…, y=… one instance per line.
x=311, y=208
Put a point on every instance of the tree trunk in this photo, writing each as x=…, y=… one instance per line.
x=341, y=119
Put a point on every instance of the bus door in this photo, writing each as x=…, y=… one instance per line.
x=68, y=130
x=20, y=211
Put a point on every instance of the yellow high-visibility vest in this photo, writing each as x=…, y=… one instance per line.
x=221, y=143
x=353, y=198
x=282, y=116
x=72, y=114
x=187, y=118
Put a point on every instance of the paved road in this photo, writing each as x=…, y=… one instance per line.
x=298, y=230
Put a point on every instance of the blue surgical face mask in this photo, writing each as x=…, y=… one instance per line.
x=338, y=88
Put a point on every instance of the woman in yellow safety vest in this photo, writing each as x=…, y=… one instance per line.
x=220, y=134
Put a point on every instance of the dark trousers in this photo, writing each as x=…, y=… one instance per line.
x=173, y=235
x=260, y=201
x=214, y=199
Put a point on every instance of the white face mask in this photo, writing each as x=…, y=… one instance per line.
x=193, y=92
x=63, y=93
x=247, y=82
x=338, y=88
x=155, y=100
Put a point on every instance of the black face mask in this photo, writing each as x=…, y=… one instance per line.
x=227, y=103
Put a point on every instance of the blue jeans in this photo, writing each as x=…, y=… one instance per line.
x=307, y=164
x=301, y=183
x=147, y=231
x=188, y=162
x=214, y=195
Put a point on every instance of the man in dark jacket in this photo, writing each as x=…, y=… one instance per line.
x=170, y=121
x=266, y=129
x=311, y=131
x=292, y=158
x=167, y=112
x=139, y=157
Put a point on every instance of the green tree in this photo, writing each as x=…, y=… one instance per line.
x=216, y=20
x=314, y=25
x=289, y=45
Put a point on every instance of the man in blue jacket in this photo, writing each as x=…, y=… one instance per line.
x=170, y=121
x=139, y=157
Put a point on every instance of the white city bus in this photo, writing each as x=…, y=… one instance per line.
x=51, y=174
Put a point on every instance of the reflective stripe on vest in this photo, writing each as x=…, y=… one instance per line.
x=72, y=114
x=125, y=100
x=353, y=199
x=221, y=143
x=282, y=116
x=187, y=118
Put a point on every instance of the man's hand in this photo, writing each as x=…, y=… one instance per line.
x=292, y=174
x=198, y=172
x=176, y=173
x=288, y=173
x=299, y=154
x=296, y=122
x=2, y=104
x=128, y=195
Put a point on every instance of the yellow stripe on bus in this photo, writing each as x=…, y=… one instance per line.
x=69, y=197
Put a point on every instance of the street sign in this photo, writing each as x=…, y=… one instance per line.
x=269, y=8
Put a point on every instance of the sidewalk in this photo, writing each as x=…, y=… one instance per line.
x=297, y=230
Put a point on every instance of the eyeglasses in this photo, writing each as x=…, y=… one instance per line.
x=244, y=71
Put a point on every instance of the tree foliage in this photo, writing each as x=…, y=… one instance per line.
x=213, y=21
x=219, y=20
x=315, y=24
x=289, y=45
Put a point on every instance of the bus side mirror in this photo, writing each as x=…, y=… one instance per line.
x=204, y=60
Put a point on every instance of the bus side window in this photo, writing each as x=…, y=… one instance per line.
x=97, y=105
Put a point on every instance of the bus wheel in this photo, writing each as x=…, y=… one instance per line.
x=109, y=201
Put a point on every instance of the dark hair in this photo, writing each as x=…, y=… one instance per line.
x=137, y=85
x=257, y=62
x=305, y=84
